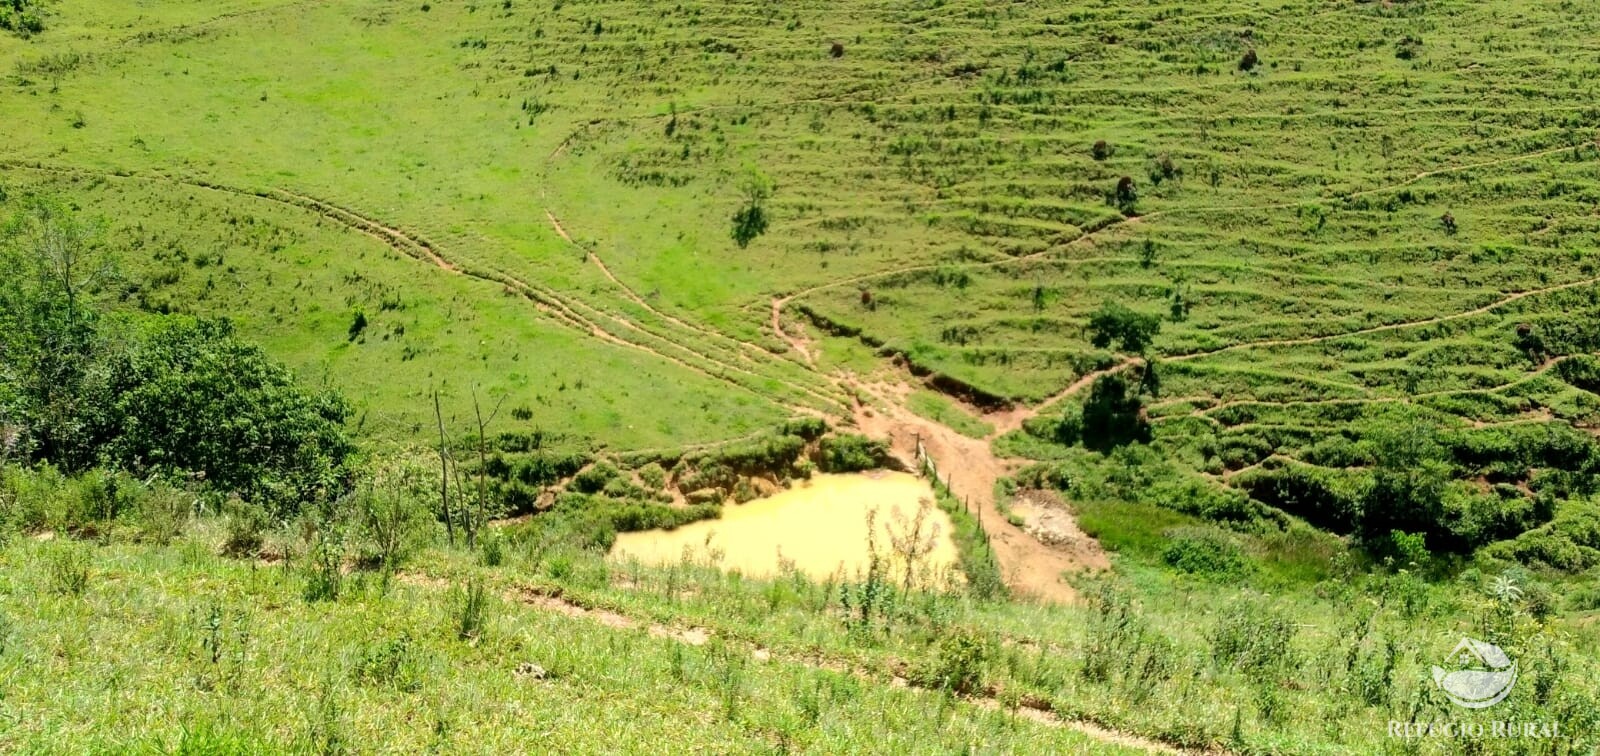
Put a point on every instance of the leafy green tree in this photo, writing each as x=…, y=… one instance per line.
x=50, y=278
x=1408, y=482
x=21, y=17
x=79, y=388
x=1113, y=415
x=187, y=395
x=1115, y=323
x=751, y=219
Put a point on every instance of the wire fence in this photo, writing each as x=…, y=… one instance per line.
x=930, y=469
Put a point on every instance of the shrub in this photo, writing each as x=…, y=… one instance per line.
x=595, y=478
x=572, y=524
x=957, y=665
x=750, y=221
x=836, y=50
x=1120, y=645
x=188, y=396
x=245, y=524
x=1249, y=60
x=1100, y=150
x=849, y=452
x=1125, y=197
x=493, y=548
x=1202, y=551
x=1115, y=323
x=165, y=395
x=68, y=569
x=393, y=512
x=325, y=572
x=394, y=663
x=163, y=511
x=24, y=18
x=1113, y=415
x=471, y=611
x=653, y=476
x=1254, y=639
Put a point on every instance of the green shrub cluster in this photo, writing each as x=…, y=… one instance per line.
x=24, y=18
x=849, y=452
x=167, y=396
x=1204, y=551
x=97, y=503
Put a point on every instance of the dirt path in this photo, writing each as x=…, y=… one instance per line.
x=1006, y=421
x=1030, y=568
x=750, y=353
x=794, y=342
x=747, y=347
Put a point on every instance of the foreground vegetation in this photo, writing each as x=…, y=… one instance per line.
x=346, y=630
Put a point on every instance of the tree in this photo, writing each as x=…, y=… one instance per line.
x=751, y=219
x=1408, y=482
x=1114, y=323
x=171, y=395
x=1125, y=196
x=21, y=17
x=1113, y=415
x=185, y=395
x=50, y=276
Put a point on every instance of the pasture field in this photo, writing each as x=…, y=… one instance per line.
x=1282, y=314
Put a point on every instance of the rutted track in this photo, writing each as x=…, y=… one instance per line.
x=1036, y=710
x=568, y=312
x=746, y=351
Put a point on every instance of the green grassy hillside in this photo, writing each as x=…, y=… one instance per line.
x=1289, y=305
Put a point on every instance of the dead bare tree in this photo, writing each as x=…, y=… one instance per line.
x=444, y=475
x=474, y=519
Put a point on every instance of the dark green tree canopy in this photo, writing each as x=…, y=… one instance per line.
x=1113, y=415
x=82, y=386
x=1114, y=323
x=187, y=395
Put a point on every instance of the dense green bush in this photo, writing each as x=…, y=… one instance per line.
x=169, y=396
x=186, y=396
x=595, y=478
x=1114, y=323
x=1253, y=638
x=1113, y=415
x=1571, y=542
x=24, y=18
x=849, y=452
x=1203, y=551
x=95, y=503
x=393, y=511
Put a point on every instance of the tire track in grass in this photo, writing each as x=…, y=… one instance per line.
x=738, y=346
x=416, y=247
x=1032, y=708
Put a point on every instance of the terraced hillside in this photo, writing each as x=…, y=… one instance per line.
x=1337, y=211
x=1253, y=343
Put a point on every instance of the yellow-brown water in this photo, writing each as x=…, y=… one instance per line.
x=820, y=526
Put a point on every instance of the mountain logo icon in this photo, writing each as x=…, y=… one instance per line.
x=1480, y=675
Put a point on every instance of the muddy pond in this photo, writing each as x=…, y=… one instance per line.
x=819, y=526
